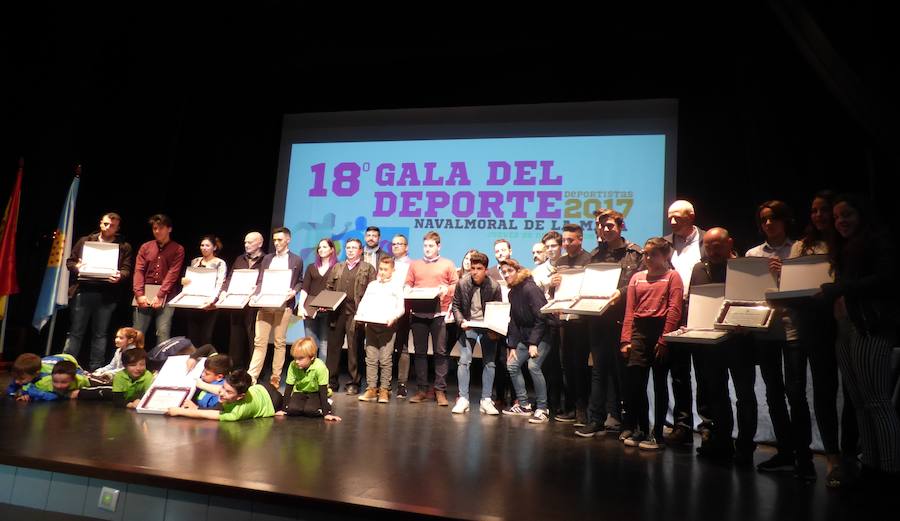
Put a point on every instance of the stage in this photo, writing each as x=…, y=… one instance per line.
x=403, y=458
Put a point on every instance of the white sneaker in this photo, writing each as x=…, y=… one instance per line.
x=487, y=407
x=462, y=406
x=540, y=416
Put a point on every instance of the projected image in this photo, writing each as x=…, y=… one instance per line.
x=472, y=191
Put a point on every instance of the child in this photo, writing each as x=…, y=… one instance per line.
x=126, y=338
x=240, y=400
x=62, y=383
x=380, y=337
x=652, y=309
x=306, y=393
x=29, y=368
x=211, y=380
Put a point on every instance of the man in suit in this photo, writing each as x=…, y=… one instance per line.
x=242, y=322
x=687, y=251
x=351, y=276
x=373, y=253
x=277, y=318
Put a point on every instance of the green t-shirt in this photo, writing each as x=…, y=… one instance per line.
x=255, y=404
x=308, y=380
x=133, y=389
x=46, y=383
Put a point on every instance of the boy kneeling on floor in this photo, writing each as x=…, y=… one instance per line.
x=307, y=392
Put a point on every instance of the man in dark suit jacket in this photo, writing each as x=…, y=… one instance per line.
x=351, y=277
x=373, y=253
x=277, y=318
x=687, y=251
x=242, y=322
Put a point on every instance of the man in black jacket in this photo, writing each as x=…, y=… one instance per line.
x=608, y=370
x=95, y=299
x=241, y=321
x=473, y=291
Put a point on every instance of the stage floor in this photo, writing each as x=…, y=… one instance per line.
x=413, y=458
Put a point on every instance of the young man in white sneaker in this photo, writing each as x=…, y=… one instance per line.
x=473, y=291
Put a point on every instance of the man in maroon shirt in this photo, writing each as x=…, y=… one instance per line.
x=158, y=263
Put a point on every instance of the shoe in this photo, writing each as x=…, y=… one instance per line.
x=518, y=410
x=612, y=424
x=401, y=391
x=275, y=380
x=835, y=478
x=625, y=434
x=430, y=394
x=635, y=439
x=352, y=389
x=462, y=406
x=369, y=396
x=384, y=396
x=780, y=462
x=419, y=397
x=487, y=407
x=651, y=444
x=566, y=417
x=499, y=404
x=805, y=471
x=441, y=398
x=743, y=458
x=680, y=435
x=540, y=416
x=581, y=418
x=589, y=430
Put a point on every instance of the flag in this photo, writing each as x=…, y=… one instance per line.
x=55, y=288
x=8, y=283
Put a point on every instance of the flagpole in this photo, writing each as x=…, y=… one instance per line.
x=3, y=323
x=50, y=336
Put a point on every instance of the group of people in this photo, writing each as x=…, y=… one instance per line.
x=846, y=332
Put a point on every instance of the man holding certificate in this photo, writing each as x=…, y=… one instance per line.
x=241, y=321
x=156, y=274
x=351, y=277
x=98, y=263
x=277, y=316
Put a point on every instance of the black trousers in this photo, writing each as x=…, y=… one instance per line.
x=678, y=363
x=642, y=358
x=274, y=395
x=304, y=404
x=574, y=350
x=242, y=331
x=401, y=348
x=422, y=329
x=343, y=327
x=608, y=369
x=201, y=324
x=552, y=370
x=770, y=357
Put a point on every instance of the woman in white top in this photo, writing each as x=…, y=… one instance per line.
x=202, y=322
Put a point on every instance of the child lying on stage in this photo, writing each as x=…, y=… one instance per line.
x=62, y=383
x=306, y=392
x=128, y=385
x=240, y=400
x=28, y=369
x=211, y=380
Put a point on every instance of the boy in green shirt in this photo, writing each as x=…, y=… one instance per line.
x=130, y=384
x=240, y=400
x=307, y=389
x=63, y=382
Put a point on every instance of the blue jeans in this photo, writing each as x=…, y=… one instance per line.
x=534, y=367
x=97, y=308
x=317, y=328
x=163, y=316
x=467, y=341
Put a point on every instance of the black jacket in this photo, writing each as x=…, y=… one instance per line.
x=465, y=289
x=526, y=322
x=126, y=265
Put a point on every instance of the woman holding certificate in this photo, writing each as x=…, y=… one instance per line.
x=202, y=321
x=315, y=322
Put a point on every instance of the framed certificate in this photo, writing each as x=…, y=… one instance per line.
x=746, y=282
x=276, y=284
x=240, y=287
x=567, y=292
x=802, y=277
x=750, y=315
x=599, y=282
x=200, y=292
x=160, y=399
x=99, y=260
x=705, y=302
x=496, y=318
